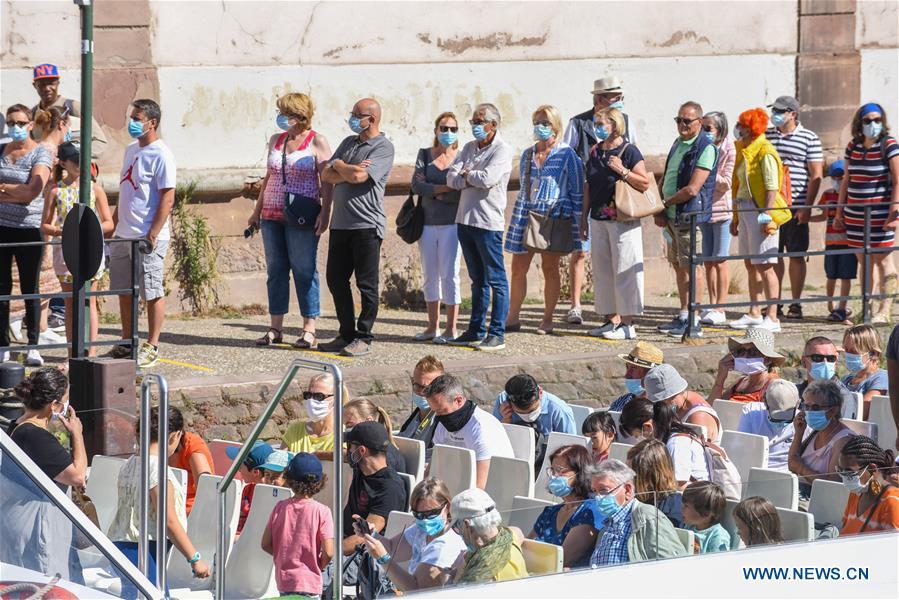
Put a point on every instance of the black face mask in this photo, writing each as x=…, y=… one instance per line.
x=455, y=421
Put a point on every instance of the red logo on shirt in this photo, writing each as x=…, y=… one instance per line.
x=128, y=176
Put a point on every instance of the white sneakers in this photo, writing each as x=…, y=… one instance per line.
x=712, y=317
x=34, y=359
x=4, y=357
x=50, y=337
x=621, y=332
x=772, y=326
x=746, y=321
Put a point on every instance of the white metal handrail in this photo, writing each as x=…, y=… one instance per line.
x=143, y=543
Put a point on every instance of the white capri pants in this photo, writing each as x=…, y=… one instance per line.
x=751, y=240
x=440, y=260
x=616, y=249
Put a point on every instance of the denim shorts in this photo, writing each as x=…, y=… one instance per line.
x=716, y=239
x=840, y=266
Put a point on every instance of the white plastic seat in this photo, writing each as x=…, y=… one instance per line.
x=828, y=501
x=797, y=526
x=781, y=489
x=865, y=428
x=687, y=538
x=103, y=488
x=619, y=450
x=541, y=558
x=745, y=450
x=729, y=413
x=580, y=415
x=616, y=416
x=222, y=461
x=250, y=569
x=524, y=513
x=413, y=452
x=410, y=484
x=555, y=440
x=397, y=521
x=509, y=477
x=727, y=521
x=699, y=430
x=524, y=443
x=326, y=495
x=880, y=414
x=202, y=529
x=455, y=466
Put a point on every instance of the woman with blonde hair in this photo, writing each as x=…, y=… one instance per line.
x=655, y=482
x=293, y=211
x=862, y=353
x=316, y=434
x=551, y=175
x=363, y=409
x=439, y=242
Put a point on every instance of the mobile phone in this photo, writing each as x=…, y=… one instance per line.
x=364, y=526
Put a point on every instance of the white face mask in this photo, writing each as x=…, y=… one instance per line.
x=317, y=409
x=65, y=410
x=531, y=416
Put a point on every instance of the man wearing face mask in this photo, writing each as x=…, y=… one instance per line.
x=641, y=359
x=422, y=422
x=358, y=170
x=462, y=424
x=800, y=150
x=481, y=171
x=773, y=418
x=629, y=530
x=819, y=359
x=752, y=356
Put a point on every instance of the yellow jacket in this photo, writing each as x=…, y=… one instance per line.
x=753, y=154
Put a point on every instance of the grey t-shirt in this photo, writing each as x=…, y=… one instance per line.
x=361, y=205
x=23, y=216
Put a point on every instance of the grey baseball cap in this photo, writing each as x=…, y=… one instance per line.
x=663, y=382
x=786, y=103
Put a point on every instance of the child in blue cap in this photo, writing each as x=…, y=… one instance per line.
x=840, y=268
x=257, y=456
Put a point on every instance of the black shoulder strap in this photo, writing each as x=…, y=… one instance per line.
x=529, y=154
x=283, y=141
x=874, y=507
x=806, y=442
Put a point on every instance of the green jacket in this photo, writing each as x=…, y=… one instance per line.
x=652, y=535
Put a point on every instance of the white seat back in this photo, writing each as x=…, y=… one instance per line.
x=797, y=526
x=828, y=501
x=103, y=487
x=524, y=513
x=556, y=440
x=687, y=538
x=865, y=428
x=619, y=450
x=221, y=460
x=509, y=477
x=697, y=429
x=541, y=558
x=397, y=521
x=455, y=466
x=745, y=450
x=524, y=444
x=880, y=413
x=202, y=529
x=413, y=452
x=727, y=521
x=616, y=416
x=729, y=413
x=580, y=415
x=326, y=495
x=250, y=569
x=781, y=489
x=410, y=485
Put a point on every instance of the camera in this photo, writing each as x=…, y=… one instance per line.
x=249, y=231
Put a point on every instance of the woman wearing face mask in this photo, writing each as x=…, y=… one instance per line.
x=551, y=184
x=316, y=434
x=45, y=394
x=429, y=545
x=24, y=171
x=363, y=409
x=872, y=165
x=873, y=501
x=655, y=483
x=295, y=159
x=125, y=528
x=862, y=352
x=439, y=242
x=421, y=422
x=635, y=422
x=569, y=524
x=754, y=358
x=493, y=550
x=617, y=246
x=820, y=436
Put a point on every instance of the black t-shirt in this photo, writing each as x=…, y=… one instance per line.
x=395, y=460
x=893, y=344
x=375, y=494
x=44, y=449
x=602, y=179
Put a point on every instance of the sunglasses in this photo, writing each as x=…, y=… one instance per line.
x=872, y=120
x=427, y=514
x=543, y=123
x=707, y=128
x=446, y=128
x=360, y=116
x=683, y=121
x=317, y=396
x=831, y=358
x=14, y=123
x=474, y=123
x=747, y=353
x=300, y=118
x=417, y=387
x=780, y=111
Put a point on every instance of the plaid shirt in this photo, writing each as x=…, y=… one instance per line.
x=611, y=548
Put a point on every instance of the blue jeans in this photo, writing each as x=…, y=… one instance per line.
x=129, y=549
x=483, y=253
x=290, y=249
x=716, y=239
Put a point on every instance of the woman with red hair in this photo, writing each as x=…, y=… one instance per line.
x=758, y=176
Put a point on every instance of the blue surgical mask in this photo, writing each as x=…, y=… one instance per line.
x=603, y=507
x=420, y=402
x=634, y=386
x=283, y=122
x=558, y=486
x=618, y=104
x=710, y=136
x=601, y=132
x=18, y=134
x=135, y=128
x=447, y=138
x=355, y=124
x=823, y=370
x=853, y=482
x=479, y=133
x=738, y=133
x=872, y=130
x=68, y=136
x=543, y=132
x=432, y=525
x=817, y=419
x=778, y=119
x=854, y=362
x=764, y=219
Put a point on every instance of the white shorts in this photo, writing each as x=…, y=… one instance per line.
x=751, y=240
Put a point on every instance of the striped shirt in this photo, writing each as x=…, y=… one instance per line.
x=834, y=236
x=870, y=182
x=796, y=149
x=885, y=517
x=24, y=216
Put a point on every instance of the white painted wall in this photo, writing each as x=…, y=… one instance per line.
x=880, y=81
x=877, y=24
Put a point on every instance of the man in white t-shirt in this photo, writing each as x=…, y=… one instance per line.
x=773, y=419
x=462, y=424
x=146, y=197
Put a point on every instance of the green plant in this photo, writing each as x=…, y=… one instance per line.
x=194, y=254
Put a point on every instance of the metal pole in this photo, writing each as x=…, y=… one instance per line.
x=135, y=294
x=143, y=543
x=337, y=513
x=866, y=265
x=691, y=294
x=162, y=487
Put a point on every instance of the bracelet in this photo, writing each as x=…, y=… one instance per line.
x=626, y=175
x=195, y=559
x=384, y=559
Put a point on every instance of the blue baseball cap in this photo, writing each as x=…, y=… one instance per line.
x=256, y=457
x=837, y=168
x=277, y=461
x=304, y=467
x=46, y=71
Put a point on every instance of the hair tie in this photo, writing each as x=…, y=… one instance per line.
x=870, y=107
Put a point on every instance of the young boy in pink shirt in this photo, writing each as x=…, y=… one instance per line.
x=300, y=531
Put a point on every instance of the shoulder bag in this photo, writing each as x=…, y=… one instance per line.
x=546, y=234
x=300, y=211
x=410, y=221
x=631, y=205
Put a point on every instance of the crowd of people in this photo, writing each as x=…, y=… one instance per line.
x=759, y=182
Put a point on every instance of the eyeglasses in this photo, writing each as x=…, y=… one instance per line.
x=474, y=123
x=780, y=111
x=707, y=128
x=426, y=514
x=684, y=121
x=352, y=114
x=446, y=128
x=417, y=387
x=849, y=473
x=14, y=123
x=597, y=494
x=813, y=407
x=872, y=120
x=300, y=118
x=831, y=358
x=317, y=396
x=554, y=471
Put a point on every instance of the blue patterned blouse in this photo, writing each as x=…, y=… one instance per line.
x=546, y=531
x=558, y=186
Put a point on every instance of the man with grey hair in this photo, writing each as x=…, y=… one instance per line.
x=629, y=530
x=462, y=424
x=494, y=552
x=481, y=171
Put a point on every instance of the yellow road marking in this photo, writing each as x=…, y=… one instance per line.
x=188, y=365
x=314, y=353
x=725, y=331
x=589, y=337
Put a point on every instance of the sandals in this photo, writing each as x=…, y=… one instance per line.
x=303, y=343
x=839, y=315
x=794, y=312
x=271, y=337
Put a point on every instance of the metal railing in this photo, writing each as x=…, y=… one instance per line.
x=697, y=260
x=221, y=545
x=162, y=444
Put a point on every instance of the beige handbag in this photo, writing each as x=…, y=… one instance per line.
x=631, y=205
